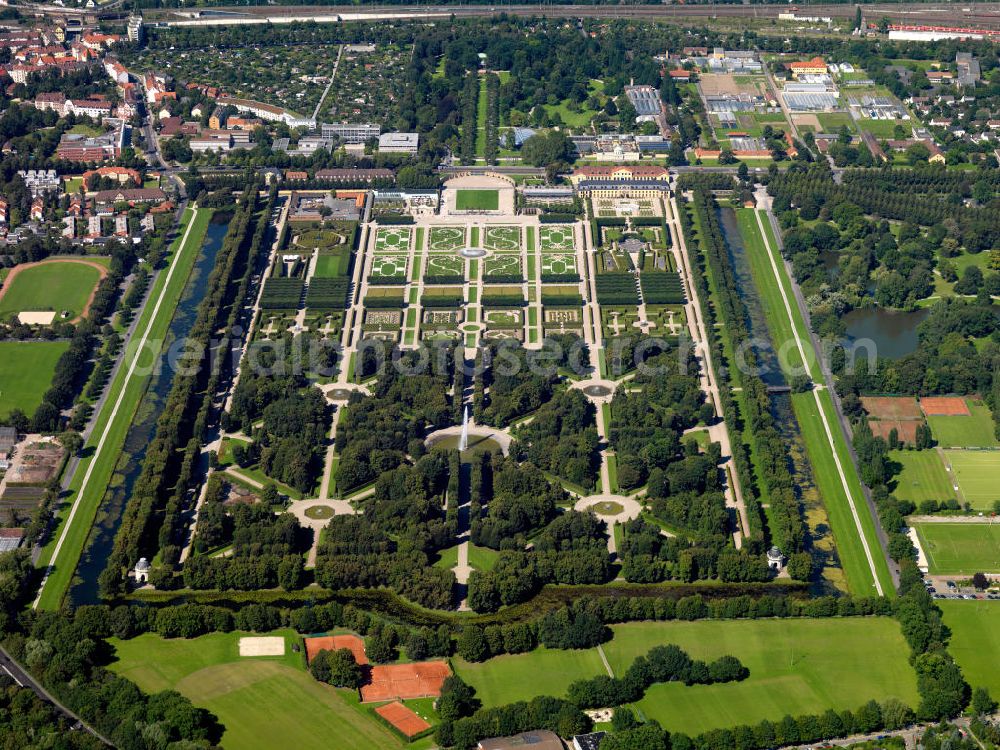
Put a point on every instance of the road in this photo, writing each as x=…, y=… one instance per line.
x=24, y=679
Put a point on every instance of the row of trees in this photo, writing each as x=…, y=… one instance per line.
x=160, y=494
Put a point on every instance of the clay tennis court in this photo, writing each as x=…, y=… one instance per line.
x=335, y=643
x=944, y=406
x=906, y=429
x=892, y=407
x=402, y=718
x=405, y=681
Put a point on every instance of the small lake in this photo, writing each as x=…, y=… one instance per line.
x=893, y=332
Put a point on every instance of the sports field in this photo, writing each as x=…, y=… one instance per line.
x=477, y=200
x=58, y=285
x=796, y=666
x=978, y=476
x=975, y=640
x=26, y=369
x=961, y=548
x=973, y=431
x=923, y=477
x=262, y=701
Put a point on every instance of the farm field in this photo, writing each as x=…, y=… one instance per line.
x=243, y=691
x=961, y=548
x=975, y=640
x=923, y=477
x=978, y=476
x=972, y=431
x=26, y=370
x=126, y=389
x=796, y=666
x=477, y=200
x=59, y=285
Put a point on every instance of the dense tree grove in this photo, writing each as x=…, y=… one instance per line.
x=357, y=552
x=375, y=434
x=787, y=527
x=561, y=438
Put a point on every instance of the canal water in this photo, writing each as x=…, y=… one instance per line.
x=102, y=536
x=782, y=409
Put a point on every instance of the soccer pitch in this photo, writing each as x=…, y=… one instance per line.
x=922, y=478
x=961, y=548
x=972, y=431
x=26, y=370
x=978, y=476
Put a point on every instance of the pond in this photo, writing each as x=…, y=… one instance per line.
x=893, y=332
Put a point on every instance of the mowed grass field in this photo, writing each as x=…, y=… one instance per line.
x=978, y=475
x=975, y=640
x=961, y=548
x=262, y=701
x=922, y=478
x=57, y=285
x=477, y=200
x=796, y=666
x=972, y=431
x=26, y=369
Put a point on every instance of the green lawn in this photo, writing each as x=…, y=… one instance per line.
x=477, y=200
x=56, y=285
x=922, y=478
x=262, y=701
x=975, y=640
x=93, y=474
x=88, y=130
x=882, y=128
x=973, y=431
x=26, y=369
x=73, y=185
x=783, y=323
x=506, y=679
x=978, y=476
x=331, y=266
x=481, y=109
x=961, y=548
x=796, y=666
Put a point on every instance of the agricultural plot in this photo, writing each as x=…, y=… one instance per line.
x=960, y=548
x=392, y=239
x=388, y=269
x=978, y=476
x=447, y=239
x=562, y=265
x=502, y=238
x=556, y=239
x=502, y=268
